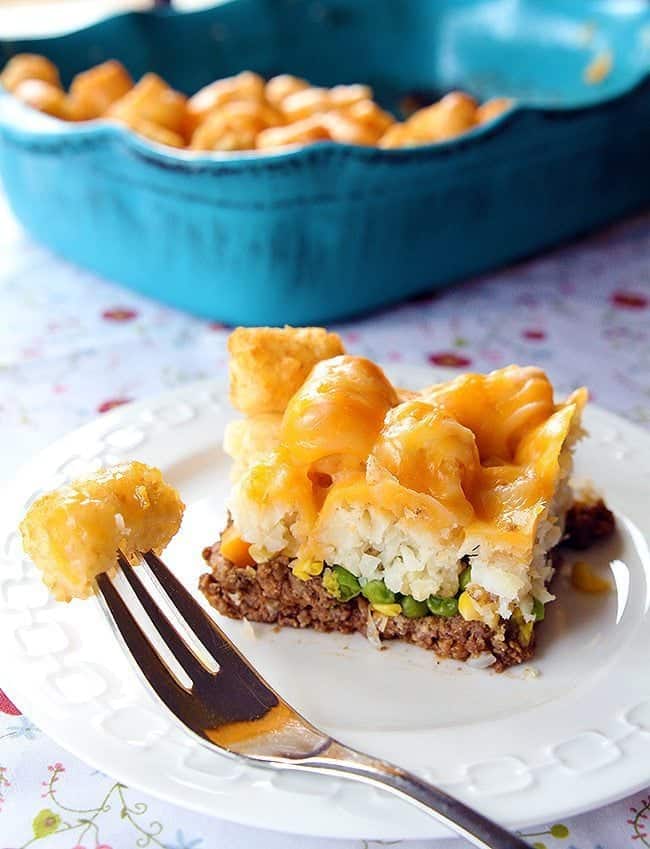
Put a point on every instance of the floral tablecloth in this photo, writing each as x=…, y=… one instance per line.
x=73, y=346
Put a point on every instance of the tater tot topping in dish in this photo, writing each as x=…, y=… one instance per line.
x=243, y=112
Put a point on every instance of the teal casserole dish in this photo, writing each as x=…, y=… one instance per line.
x=327, y=231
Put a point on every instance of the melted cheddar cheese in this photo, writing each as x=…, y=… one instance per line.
x=339, y=411
x=473, y=462
x=74, y=532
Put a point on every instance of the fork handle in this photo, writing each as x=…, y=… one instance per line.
x=465, y=821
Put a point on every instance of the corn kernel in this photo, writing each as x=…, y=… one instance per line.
x=331, y=584
x=387, y=609
x=468, y=608
x=525, y=628
x=306, y=569
x=586, y=580
x=526, y=633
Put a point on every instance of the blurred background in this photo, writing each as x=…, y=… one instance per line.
x=46, y=17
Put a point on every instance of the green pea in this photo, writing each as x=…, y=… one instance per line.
x=413, y=609
x=538, y=610
x=442, y=606
x=348, y=585
x=341, y=584
x=378, y=593
x=464, y=578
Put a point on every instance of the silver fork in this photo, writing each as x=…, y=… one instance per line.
x=216, y=695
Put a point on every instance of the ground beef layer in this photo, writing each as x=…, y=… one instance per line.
x=269, y=592
x=587, y=523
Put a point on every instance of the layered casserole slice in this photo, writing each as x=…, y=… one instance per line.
x=427, y=516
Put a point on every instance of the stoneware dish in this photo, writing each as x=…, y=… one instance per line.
x=327, y=231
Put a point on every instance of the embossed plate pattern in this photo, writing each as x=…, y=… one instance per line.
x=523, y=747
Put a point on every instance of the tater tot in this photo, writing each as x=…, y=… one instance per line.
x=397, y=135
x=93, y=92
x=345, y=95
x=368, y=113
x=269, y=364
x=305, y=103
x=342, y=129
x=151, y=99
x=244, y=86
x=306, y=131
x=280, y=87
x=449, y=117
x=223, y=132
x=29, y=66
x=156, y=133
x=492, y=109
x=45, y=97
x=256, y=110
x=234, y=126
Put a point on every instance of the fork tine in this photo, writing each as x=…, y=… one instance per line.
x=206, y=629
x=190, y=662
x=171, y=692
x=233, y=666
x=210, y=701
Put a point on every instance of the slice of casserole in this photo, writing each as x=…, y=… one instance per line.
x=356, y=506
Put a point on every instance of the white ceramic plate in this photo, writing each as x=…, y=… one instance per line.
x=523, y=749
